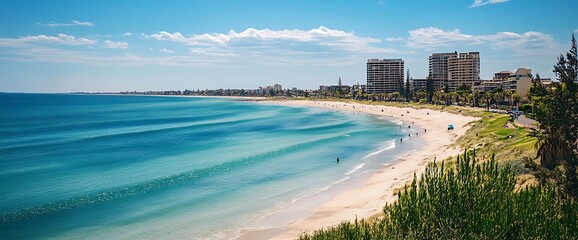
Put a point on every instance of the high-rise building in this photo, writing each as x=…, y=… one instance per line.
x=384, y=75
x=463, y=69
x=438, y=68
x=454, y=69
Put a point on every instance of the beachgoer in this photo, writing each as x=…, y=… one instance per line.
x=401, y=140
x=425, y=130
x=417, y=134
x=337, y=159
x=409, y=134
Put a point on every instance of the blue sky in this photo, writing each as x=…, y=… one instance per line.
x=111, y=45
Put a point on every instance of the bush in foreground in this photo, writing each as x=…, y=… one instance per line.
x=467, y=201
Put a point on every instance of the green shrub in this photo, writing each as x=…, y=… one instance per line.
x=526, y=108
x=467, y=201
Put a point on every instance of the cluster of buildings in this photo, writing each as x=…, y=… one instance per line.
x=448, y=71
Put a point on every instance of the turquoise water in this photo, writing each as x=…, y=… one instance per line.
x=133, y=167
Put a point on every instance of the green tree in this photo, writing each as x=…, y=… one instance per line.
x=498, y=95
x=401, y=87
x=272, y=92
x=537, y=91
x=487, y=97
x=508, y=95
x=421, y=94
x=395, y=96
x=516, y=100
x=475, y=98
x=429, y=88
x=407, y=87
x=557, y=133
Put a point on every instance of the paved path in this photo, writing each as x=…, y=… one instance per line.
x=526, y=122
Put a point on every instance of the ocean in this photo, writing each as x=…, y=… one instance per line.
x=146, y=167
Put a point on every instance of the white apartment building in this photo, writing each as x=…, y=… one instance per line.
x=384, y=75
x=454, y=69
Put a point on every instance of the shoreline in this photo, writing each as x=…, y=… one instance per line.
x=369, y=199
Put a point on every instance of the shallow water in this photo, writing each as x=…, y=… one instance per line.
x=133, y=167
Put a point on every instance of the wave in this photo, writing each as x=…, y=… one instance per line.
x=320, y=128
x=319, y=190
x=355, y=169
x=136, y=133
x=152, y=185
x=388, y=145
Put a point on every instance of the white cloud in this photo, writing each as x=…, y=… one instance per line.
x=479, y=3
x=215, y=52
x=528, y=40
x=111, y=44
x=318, y=46
x=56, y=55
x=321, y=36
x=127, y=34
x=394, y=39
x=70, y=24
x=61, y=38
x=432, y=38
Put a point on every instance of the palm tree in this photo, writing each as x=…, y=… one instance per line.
x=516, y=98
x=487, y=97
x=475, y=97
x=498, y=97
x=551, y=147
x=437, y=97
x=421, y=95
x=395, y=96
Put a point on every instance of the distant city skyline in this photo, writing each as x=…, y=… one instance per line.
x=69, y=46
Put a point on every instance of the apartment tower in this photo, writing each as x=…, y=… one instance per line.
x=438, y=68
x=454, y=69
x=384, y=75
x=463, y=69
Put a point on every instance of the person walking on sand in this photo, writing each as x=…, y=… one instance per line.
x=401, y=140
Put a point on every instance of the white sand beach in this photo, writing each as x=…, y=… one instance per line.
x=378, y=190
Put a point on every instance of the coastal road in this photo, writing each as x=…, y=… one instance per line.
x=526, y=122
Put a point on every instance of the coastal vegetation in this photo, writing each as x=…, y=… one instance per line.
x=471, y=200
x=482, y=199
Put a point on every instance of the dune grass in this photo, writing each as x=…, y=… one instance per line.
x=468, y=201
x=493, y=135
